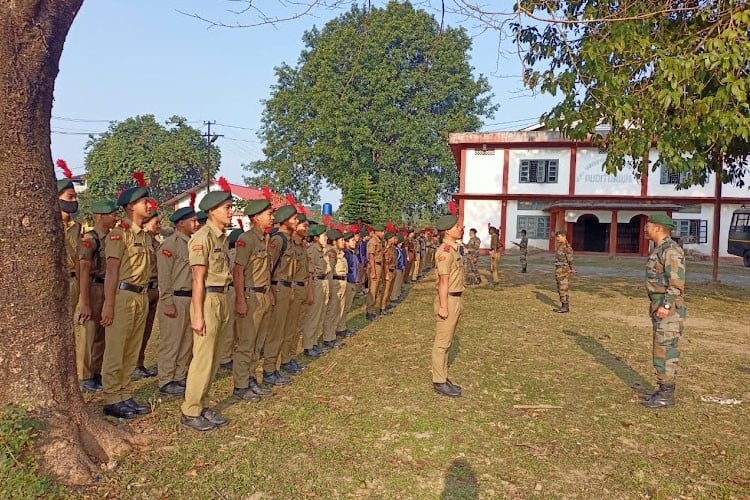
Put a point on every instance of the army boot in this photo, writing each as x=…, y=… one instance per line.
x=564, y=308
x=523, y=269
x=663, y=398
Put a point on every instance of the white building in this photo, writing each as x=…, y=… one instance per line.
x=542, y=182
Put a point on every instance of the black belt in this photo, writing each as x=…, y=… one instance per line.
x=152, y=285
x=182, y=293
x=340, y=278
x=257, y=289
x=379, y=263
x=319, y=277
x=282, y=283
x=124, y=285
x=455, y=294
x=217, y=289
x=97, y=279
x=299, y=283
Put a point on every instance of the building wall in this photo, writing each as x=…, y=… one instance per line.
x=562, y=155
x=592, y=180
x=476, y=214
x=484, y=174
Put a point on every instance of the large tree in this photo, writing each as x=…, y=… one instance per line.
x=37, y=367
x=375, y=93
x=173, y=156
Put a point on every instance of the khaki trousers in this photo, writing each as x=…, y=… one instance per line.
x=73, y=291
x=175, y=343
x=153, y=301
x=387, y=290
x=293, y=331
x=312, y=324
x=247, y=328
x=122, y=341
x=335, y=309
x=398, y=283
x=416, y=267
x=227, y=344
x=375, y=291
x=90, y=337
x=205, y=360
x=495, y=266
x=276, y=327
x=444, y=331
x=261, y=317
x=351, y=291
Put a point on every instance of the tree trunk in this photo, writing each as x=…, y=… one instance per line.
x=37, y=365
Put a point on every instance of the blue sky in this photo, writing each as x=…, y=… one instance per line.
x=134, y=57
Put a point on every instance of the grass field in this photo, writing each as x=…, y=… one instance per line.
x=364, y=422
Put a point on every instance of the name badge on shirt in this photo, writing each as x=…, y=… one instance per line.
x=217, y=250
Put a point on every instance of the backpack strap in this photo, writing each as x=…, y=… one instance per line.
x=284, y=244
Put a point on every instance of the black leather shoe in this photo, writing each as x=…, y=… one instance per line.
x=246, y=394
x=276, y=378
x=455, y=386
x=227, y=366
x=90, y=385
x=297, y=365
x=313, y=353
x=345, y=334
x=172, y=389
x=97, y=378
x=446, y=390
x=290, y=368
x=258, y=389
x=333, y=344
x=119, y=410
x=197, y=423
x=141, y=372
x=371, y=316
x=150, y=372
x=322, y=348
x=182, y=383
x=215, y=418
x=137, y=407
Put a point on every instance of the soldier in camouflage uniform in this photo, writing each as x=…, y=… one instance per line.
x=665, y=284
x=472, y=258
x=523, y=249
x=563, y=269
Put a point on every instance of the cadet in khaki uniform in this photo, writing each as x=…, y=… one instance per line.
x=312, y=326
x=352, y=281
x=125, y=303
x=496, y=249
x=68, y=201
x=152, y=226
x=209, y=310
x=281, y=257
x=337, y=290
x=175, y=290
x=389, y=270
x=252, y=284
x=375, y=250
x=89, y=331
x=301, y=299
x=228, y=343
x=447, y=305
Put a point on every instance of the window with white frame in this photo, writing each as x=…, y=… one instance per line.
x=536, y=226
x=692, y=231
x=669, y=177
x=538, y=171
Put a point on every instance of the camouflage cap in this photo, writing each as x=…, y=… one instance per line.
x=182, y=214
x=213, y=199
x=662, y=219
x=104, y=207
x=131, y=195
x=317, y=230
x=254, y=207
x=446, y=222
x=283, y=214
x=64, y=184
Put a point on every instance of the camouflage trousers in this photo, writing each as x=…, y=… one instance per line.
x=472, y=270
x=667, y=333
x=522, y=257
x=562, y=277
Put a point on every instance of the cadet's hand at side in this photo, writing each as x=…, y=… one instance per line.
x=170, y=311
x=108, y=314
x=443, y=313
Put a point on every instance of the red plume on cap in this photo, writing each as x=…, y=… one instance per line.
x=242, y=224
x=341, y=227
x=391, y=228
x=224, y=184
x=152, y=203
x=327, y=220
x=192, y=200
x=140, y=179
x=122, y=190
x=452, y=208
x=290, y=200
x=301, y=209
x=267, y=193
x=64, y=167
x=353, y=228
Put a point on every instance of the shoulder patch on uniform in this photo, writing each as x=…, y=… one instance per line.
x=196, y=248
x=166, y=253
x=115, y=236
x=241, y=243
x=446, y=248
x=272, y=243
x=124, y=225
x=86, y=243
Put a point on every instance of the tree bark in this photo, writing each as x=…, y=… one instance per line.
x=37, y=365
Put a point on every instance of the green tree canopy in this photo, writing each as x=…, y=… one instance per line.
x=375, y=93
x=677, y=73
x=173, y=157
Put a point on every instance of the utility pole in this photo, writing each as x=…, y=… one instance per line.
x=210, y=139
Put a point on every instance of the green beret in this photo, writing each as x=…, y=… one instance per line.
x=213, y=199
x=348, y=235
x=317, y=230
x=388, y=235
x=131, y=195
x=150, y=216
x=254, y=207
x=399, y=238
x=446, y=222
x=662, y=219
x=302, y=218
x=236, y=233
x=104, y=207
x=378, y=227
x=334, y=234
x=181, y=214
x=201, y=216
x=283, y=214
x=64, y=184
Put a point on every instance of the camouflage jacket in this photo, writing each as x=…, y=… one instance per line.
x=473, y=246
x=564, y=256
x=665, y=273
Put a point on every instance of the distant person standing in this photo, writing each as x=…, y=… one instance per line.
x=472, y=249
x=563, y=270
x=523, y=249
x=496, y=249
x=665, y=284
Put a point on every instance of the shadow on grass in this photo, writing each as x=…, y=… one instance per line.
x=624, y=372
x=460, y=481
x=545, y=300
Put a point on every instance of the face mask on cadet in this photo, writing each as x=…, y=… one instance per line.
x=69, y=207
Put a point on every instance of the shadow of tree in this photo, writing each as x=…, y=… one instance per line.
x=624, y=372
x=460, y=481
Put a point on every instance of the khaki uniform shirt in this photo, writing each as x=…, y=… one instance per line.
x=329, y=254
x=173, y=265
x=375, y=247
x=252, y=254
x=129, y=243
x=389, y=258
x=341, y=268
x=316, y=260
x=73, y=247
x=449, y=262
x=299, y=254
x=210, y=247
x=93, y=251
x=285, y=267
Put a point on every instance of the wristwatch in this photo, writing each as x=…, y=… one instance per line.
x=666, y=306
